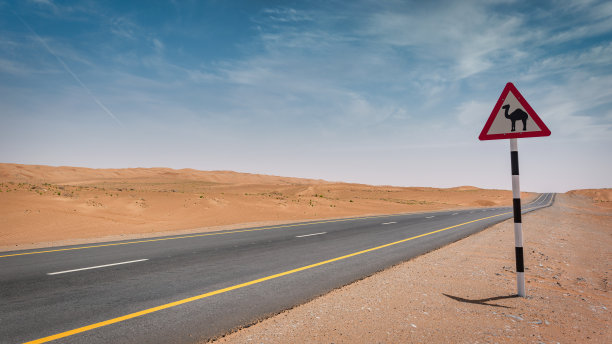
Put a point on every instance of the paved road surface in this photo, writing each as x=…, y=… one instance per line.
x=187, y=288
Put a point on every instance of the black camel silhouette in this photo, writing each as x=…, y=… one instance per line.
x=517, y=114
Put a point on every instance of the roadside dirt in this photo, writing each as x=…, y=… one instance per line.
x=465, y=292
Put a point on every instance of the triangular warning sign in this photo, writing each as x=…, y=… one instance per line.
x=512, y=117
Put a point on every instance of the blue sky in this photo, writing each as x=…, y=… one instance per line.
x=378, y=92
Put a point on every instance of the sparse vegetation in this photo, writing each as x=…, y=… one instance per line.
x=404, y=201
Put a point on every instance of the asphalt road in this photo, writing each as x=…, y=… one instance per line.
x=185, y=289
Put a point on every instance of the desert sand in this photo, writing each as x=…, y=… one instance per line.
x=42, y=206
x=466, y=291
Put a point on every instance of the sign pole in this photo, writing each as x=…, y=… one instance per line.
x=513, y=118
x=518, y=226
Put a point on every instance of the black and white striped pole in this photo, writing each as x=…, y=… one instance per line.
x=518, y=225
x=513, y=118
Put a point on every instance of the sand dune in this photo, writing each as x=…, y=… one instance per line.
x=45, y=206
x=597, y=195
x=82, y=175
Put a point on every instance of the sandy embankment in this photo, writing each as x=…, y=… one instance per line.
x=465, y=292
x=47, y=206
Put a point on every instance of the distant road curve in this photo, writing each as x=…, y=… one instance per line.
x=184, y=289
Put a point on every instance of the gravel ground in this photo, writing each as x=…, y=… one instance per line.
x=465, y=292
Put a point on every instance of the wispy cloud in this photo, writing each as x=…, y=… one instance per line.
x=472, y=113
x=16, y=68
x=447, y=36
x=48, y=3
x=67, y=69
x=579, y=109
x=122, y=27
x=285, y=15
x=598, y=56
x=158, y=45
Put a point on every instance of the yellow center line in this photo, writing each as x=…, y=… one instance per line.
x=198, y=235
x=238, y=286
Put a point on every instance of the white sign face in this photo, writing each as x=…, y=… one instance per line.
x=511, y=118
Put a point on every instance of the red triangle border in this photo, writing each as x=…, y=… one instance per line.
x=544, y=131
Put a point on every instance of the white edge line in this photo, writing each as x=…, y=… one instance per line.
x=388, y=223
x=306, y=235
x=429, y=217
x=95, y=267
